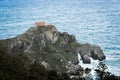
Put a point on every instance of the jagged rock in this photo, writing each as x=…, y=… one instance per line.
x=87, y=50
x=97, y=53
x=86, y=59
x=51, y=48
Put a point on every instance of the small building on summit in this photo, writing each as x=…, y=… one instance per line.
x=41, y=24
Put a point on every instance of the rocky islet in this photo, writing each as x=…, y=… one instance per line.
x=51, y=48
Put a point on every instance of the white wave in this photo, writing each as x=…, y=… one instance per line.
x=92, y=66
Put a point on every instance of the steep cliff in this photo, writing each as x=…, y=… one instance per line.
x=51, y=48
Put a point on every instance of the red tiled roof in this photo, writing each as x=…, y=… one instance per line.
x=39, y=24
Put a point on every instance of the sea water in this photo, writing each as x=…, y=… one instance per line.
x=91, y=21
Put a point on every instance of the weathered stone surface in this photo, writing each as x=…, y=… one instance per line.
x=87, y=50
x=51, y=48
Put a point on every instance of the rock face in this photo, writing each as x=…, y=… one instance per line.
x=51, y=48
x=87, y=50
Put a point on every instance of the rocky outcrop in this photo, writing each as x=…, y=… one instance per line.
x=87, y=50
x=51, y=48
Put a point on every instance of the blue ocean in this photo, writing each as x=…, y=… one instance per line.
x=91, y=21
